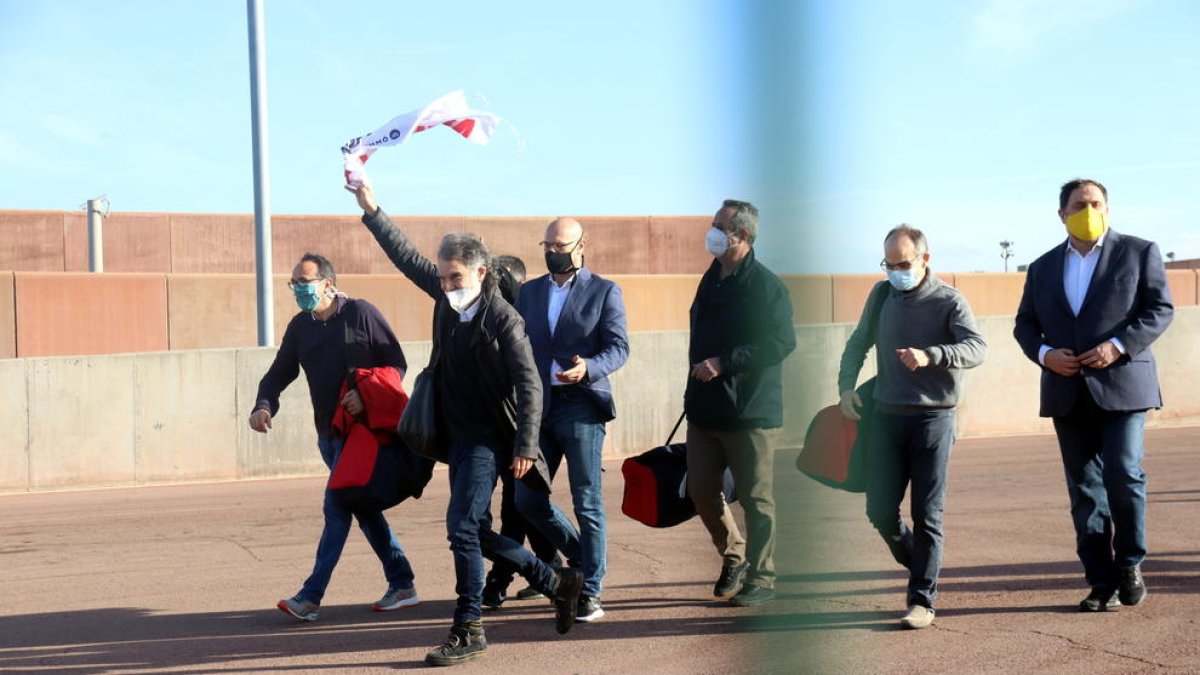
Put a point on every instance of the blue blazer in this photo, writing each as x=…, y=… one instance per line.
x=592, y=325
x=1127, y=299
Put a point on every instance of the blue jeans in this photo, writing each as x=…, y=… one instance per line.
x=571, y=429
x=473, y=472
x=1102, y=458
x=337, y=527
x=903, y=449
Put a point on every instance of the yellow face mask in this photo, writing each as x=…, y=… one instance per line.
x=1088, y=224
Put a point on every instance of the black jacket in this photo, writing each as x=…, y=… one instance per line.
x=746, y=321
x=504, y=355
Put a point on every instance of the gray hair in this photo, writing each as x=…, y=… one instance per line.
x=745, y=218
x=469, y=250
x=464, y=247
x=914, y=235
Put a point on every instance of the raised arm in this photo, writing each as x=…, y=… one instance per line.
x=398, y=247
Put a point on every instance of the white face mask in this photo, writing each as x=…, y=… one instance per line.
x=460, y=299
x=716, y=242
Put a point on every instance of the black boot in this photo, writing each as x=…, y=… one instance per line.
x=566, y=598
x=465, y=643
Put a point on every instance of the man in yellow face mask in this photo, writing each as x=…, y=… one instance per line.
x=1089, y=313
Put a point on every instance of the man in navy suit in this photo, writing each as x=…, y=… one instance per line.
x=576, y=325
x=1089, y=312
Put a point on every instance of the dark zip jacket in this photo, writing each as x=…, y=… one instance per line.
x=501, y=349
x=746, y=321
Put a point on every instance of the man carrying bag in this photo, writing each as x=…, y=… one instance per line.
x=924, y=338
x=315, y=342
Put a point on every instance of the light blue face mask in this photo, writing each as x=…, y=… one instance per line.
x=307, y=296
x=903, y=280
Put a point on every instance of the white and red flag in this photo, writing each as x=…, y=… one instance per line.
x=450, y=111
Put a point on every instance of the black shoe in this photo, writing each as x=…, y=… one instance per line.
x=566, y=599
x=493, y=596
x=466, y=643
x=589, y=609
x=752, y=594
x=730, y=580
x=1131, y=589
x=1101, y=599
x=529, y=593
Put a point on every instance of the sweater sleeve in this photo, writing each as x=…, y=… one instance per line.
x=969, y=348
x=283, y=371
x=385, y=348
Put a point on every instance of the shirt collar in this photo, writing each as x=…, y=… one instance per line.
x=469, y=314
x=566, y=285
x=1095, y=247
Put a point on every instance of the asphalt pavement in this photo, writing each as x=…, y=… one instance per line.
x=185, y=578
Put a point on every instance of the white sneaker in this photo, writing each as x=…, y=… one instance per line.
x=917, y=617
x=395, y=598
x=588, y=609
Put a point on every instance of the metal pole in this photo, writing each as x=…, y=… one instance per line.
x=95, y=224
x=262, y=192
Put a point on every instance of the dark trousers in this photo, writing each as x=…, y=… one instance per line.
x=911, y=449
x=473, y=471
x=514, y=526
x=1102, y=457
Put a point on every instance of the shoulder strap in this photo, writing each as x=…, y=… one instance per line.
x=878, y=297
x=672, y=436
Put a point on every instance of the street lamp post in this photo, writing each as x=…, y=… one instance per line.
x=1006, y=252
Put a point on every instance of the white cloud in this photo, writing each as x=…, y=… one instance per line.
x=1010, y=30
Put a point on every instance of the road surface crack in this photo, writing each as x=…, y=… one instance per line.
x=246, y=549
x=1092, y=648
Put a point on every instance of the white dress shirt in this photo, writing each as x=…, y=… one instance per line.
x=1078, y=270
x=558, y=298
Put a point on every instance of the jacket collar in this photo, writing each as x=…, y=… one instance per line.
x=743, y=271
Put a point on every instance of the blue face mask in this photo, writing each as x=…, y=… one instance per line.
x=307, y=296
x=903, y=280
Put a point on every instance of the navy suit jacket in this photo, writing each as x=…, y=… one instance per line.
x=1127, y=299
x=592, y=325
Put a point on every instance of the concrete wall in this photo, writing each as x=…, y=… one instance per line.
x=81, y=313
x=56, y=241
x=181, y=416
x=47, y=314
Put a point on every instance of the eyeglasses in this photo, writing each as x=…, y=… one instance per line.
x=300, y=282
x=902, y=265
x=559, y=248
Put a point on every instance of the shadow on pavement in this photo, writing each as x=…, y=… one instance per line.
x=100, y=640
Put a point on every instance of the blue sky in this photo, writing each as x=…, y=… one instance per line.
x=838, y=119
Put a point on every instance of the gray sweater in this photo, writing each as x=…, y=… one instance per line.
x=934, y=317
